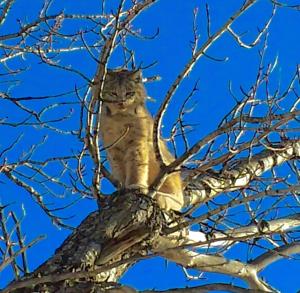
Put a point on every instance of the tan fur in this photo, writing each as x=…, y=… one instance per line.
x=126, y=130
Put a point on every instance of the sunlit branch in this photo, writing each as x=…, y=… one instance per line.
x=26, y=29
x=202, y=188
x=225, y=239
x=30, y=50
x=224, y=171
x=269, y=257
x=195, y=289
x=225, y=128
x=261, y=230
x=261, y=33
x=5, y=10
x=213, y=263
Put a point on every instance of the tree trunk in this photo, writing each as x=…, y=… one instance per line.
x=100, y=249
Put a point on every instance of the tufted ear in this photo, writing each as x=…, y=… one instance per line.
x=137, y=75
x=110, y=74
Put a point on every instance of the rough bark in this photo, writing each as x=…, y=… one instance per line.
x=130, y=225
x=100, y=250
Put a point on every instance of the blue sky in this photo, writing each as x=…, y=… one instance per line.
x=171, y=50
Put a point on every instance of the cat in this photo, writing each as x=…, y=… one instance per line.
x=126, y=128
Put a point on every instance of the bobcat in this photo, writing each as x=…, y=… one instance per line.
x=126, y=129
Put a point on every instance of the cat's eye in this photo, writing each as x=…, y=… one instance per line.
x=130, y=94
x=114, y=94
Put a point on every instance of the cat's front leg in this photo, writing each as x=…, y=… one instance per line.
x=137, y=167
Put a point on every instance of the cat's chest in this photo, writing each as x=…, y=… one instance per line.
x=124, y=128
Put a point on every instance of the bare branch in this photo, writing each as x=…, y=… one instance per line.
x=204, y=187
x=285, y=251
x=261, y=33
x=212, y=263
x=21, y=251
x=236, y=194
x=200, y=52
x=5, y=10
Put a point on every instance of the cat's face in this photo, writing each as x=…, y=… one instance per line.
x=123, y=88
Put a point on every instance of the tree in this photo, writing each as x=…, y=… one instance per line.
x=241, y=176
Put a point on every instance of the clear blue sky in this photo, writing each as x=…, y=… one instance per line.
x=171, y=50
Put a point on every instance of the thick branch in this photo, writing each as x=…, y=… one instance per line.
x=213, y=263
x=173, y=248
x=204, y=187
x=227, y=237
x=207, y=288
x=101, y=249
x=198, y=289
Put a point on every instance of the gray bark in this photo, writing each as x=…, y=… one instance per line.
x=100, y=249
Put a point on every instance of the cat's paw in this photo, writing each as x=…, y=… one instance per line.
x=138, y=187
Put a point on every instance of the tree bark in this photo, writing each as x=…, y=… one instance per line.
x=100, y=249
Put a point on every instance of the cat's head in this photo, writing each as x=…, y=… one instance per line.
x=123, y=88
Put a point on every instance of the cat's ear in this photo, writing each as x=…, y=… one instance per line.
x=137, y=75
x=109, y=74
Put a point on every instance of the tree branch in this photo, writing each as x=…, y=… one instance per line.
x=213, y=263
x=204, y=187
x=188, y=67
x=285, y=251
x=101, y=248
x=198, y=289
